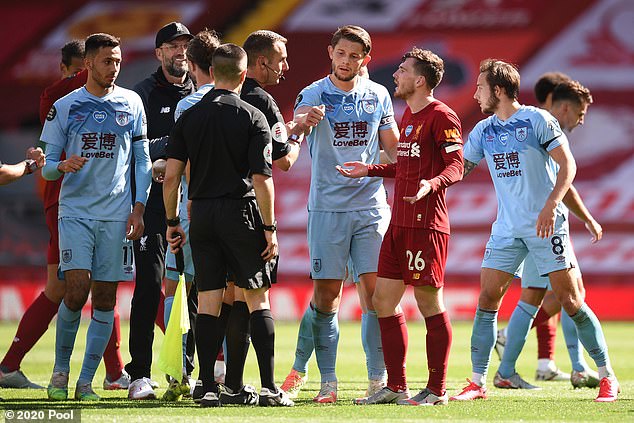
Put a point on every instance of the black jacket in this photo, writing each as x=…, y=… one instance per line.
x=160, y=98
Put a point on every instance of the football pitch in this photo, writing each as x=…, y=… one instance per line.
x=557, y=401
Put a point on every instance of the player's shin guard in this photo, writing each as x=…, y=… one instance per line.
x=305, y=344
x=208, y=341
x=237, y=344
x=112, y=359
x=438, y=341
x=483, y=338
x=371, y=340
x=326, y=338
x=591, y=336
x=99, y=332
x=573, y=345
x=516, y=334
x=546, y=335
x=32, y=326
x=395, y=339
x=263, y=337
x=65, y=333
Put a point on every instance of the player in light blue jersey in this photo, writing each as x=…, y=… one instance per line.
x=199, y=52
x=100, y=127
x=570, y=101
x=353, y=119
x=520, y=144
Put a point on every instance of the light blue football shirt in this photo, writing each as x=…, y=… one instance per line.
x=103, y=130
x=349, y=132
x=184, y=104
x=523, y=173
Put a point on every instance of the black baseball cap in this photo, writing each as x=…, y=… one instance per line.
x=171, y=31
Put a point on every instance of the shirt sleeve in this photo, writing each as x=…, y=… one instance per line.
x=260, y=148
x=447, y=133
x=309, y=96
x=54, y=131
x=387, y=170
x=387, y=117
x=473, y=151
x=176, y=147
x=548, y=131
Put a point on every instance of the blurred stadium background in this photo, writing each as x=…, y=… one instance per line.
x=591, y=40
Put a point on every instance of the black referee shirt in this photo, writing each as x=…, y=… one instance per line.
x=226, y=141
x=258, y=97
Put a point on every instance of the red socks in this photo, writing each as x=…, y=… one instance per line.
x=394, y=340
x=438, y=344
x=546, y=334
x=112, y=355
x=31, y=328
x=160, y=320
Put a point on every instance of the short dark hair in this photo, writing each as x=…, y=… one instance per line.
x=96, y=41
x=427, y=64
x=74, y=48
x=228, y=62
x=201, y=49
x=572, y=91
x=547, y=83
x=502, y=74
x=260, y=43
x=353, y=33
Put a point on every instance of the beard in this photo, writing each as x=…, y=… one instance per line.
x=175, y=70
x=403, y=92
x=491, y=105
x=344, y=78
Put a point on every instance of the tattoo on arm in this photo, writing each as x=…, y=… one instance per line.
x=468, y=167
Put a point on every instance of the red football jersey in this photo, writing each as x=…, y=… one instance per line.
x=429, y=147
x=49, y=96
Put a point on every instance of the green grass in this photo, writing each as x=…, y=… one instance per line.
x=556, y=402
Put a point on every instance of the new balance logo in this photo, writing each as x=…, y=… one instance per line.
x=165, y=109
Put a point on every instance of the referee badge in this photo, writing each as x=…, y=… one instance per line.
x=278, y=133
x=268, y=153
x=316, y=265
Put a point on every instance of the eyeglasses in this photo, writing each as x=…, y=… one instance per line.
x=173, y=47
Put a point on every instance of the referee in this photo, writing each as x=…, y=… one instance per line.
x=228, y=145
x=266, y=64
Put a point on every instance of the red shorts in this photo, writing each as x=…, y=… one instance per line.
x=53, y=243
x=415, y=256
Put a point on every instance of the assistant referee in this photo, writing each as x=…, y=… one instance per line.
x=228, y=145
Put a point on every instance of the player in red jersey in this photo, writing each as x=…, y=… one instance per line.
x=414, y=250
x=39, y=314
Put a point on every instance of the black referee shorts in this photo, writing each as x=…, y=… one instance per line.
x=226, y=235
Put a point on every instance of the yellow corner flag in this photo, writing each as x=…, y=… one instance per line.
x=171, y=356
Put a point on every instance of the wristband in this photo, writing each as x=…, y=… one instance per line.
x=173, y=222
x=270, y=228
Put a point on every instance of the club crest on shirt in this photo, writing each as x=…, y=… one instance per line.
x=278, y=132
x=369, y=106
x=408, y=130
x=316, y=265
x=99, y=116
x=122, y=118
x=503, y=137
x=51, y=113
x=67, y=256
x=348, y=108
x=521, y=133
